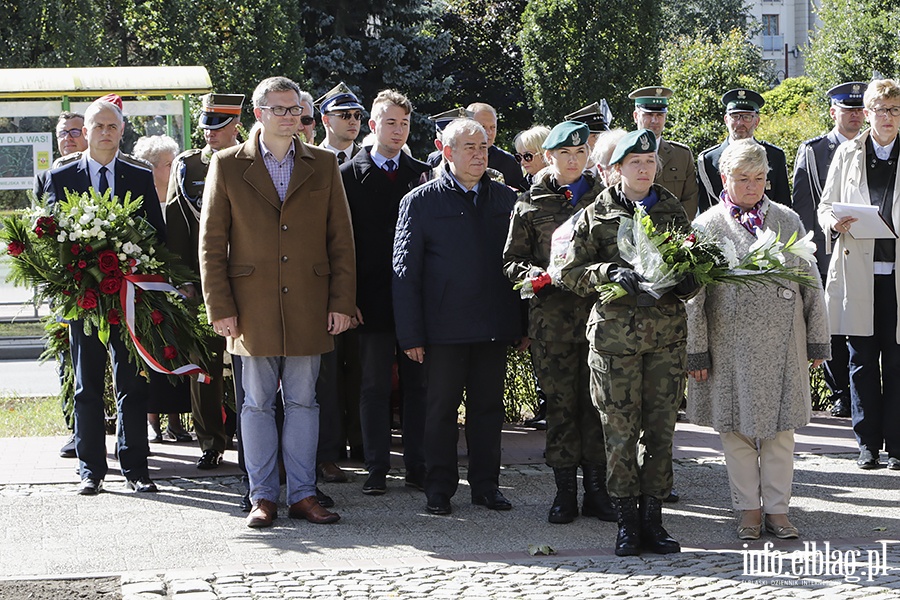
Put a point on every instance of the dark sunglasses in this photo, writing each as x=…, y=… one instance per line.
x=346, y=115
x=526, y=157
x=307, y=120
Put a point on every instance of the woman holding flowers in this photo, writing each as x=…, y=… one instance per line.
x=637, y=346
x=557, y=321
x=749, y=347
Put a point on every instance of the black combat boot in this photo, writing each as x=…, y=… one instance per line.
x=565, y=505
x=628, y=540
x=597, y=502
x=653, y=536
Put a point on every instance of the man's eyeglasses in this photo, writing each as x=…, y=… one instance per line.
x=745, y=117
x=307, y=120
x=280, y=111
x=894, y=111
x=524, y=157
x=346, y=115
x=72, y=133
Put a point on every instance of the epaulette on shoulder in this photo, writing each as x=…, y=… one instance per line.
x=679, y=145
x=64, y=160
x=812, y=141
x=708, y=150
x=770, y=145
x=134, y=161
x=188, y=153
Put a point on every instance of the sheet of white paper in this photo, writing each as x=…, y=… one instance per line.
x=870, y=224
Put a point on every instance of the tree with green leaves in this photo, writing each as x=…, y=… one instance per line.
x=710, y=19
x=578, y=51
x=375, y=45
x=699, y=71
x=484, y=61
x=794, y=112
x=856, y=40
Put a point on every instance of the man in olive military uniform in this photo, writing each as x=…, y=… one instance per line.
x=742, y=118
x=676, y=171
x=810, y=171
x=219, y=118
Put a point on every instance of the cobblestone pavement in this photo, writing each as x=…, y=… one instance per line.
x=189, y=542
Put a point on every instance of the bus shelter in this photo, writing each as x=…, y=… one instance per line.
x=156, y=101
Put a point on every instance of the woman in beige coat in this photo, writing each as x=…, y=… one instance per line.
x=862, y=287
x=748, y=350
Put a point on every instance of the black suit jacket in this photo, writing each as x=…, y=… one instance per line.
x=374, y=203
x=138, y=180
x=810, y=171
x=777, y=186
x=505, y=162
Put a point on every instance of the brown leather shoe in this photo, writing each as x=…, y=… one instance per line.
x=310, y=509
x=263, y=513
x=331, y=473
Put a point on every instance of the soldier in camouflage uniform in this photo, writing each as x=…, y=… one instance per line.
x=557, y=322
x=637, y=346
x=219, y=119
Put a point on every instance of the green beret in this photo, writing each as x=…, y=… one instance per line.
x=567, y=133
x=642, y=141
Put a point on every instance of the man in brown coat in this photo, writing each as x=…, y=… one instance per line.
x=278, y=271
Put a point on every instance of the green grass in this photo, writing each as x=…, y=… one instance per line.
x=21, y=329
x=31, y=417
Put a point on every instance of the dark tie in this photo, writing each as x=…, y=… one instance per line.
x=471, y=196
x=390, y=169
x=342, y=157
x=104, y=182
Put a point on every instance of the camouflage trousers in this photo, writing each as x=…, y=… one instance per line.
x=574, y=430
x=638, y=390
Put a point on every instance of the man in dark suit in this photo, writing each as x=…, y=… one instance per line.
x=101, y=168
x=375, y=180
x=498, y=159
x=742, y=118
x=457, y=313
x=810, y=171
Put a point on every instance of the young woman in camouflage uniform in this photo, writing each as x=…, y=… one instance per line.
x=637, y=347
x=557, y=323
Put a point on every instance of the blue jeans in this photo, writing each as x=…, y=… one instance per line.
x=261, y=376
x=875, y=376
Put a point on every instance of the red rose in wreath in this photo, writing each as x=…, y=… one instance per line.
x=88, y=301
x=15, y=248
x=169, y=352
x=157, y=317
x=110, y=285
x=108, y=262
x=113, y=317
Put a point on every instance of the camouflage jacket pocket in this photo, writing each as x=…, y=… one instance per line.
x=611, y=330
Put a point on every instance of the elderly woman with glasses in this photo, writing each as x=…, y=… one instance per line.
x=862, y=285
x=749, y=349
x=637, y=346
x=557, y=323
x=529, y=151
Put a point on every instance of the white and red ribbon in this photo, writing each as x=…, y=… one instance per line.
x=152, y=283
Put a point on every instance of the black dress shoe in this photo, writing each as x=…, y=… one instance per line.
x=325, y=501
x=893, y=463
x=90, y=486
x=841, y=407
x=672, y=497
x=376, y=484
x=245, y=503
x=867, y=459
x=415, y=478
x=211, y=459
x=142, y=486
x=438, y=504
x=493, y=499
x=68, y=449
